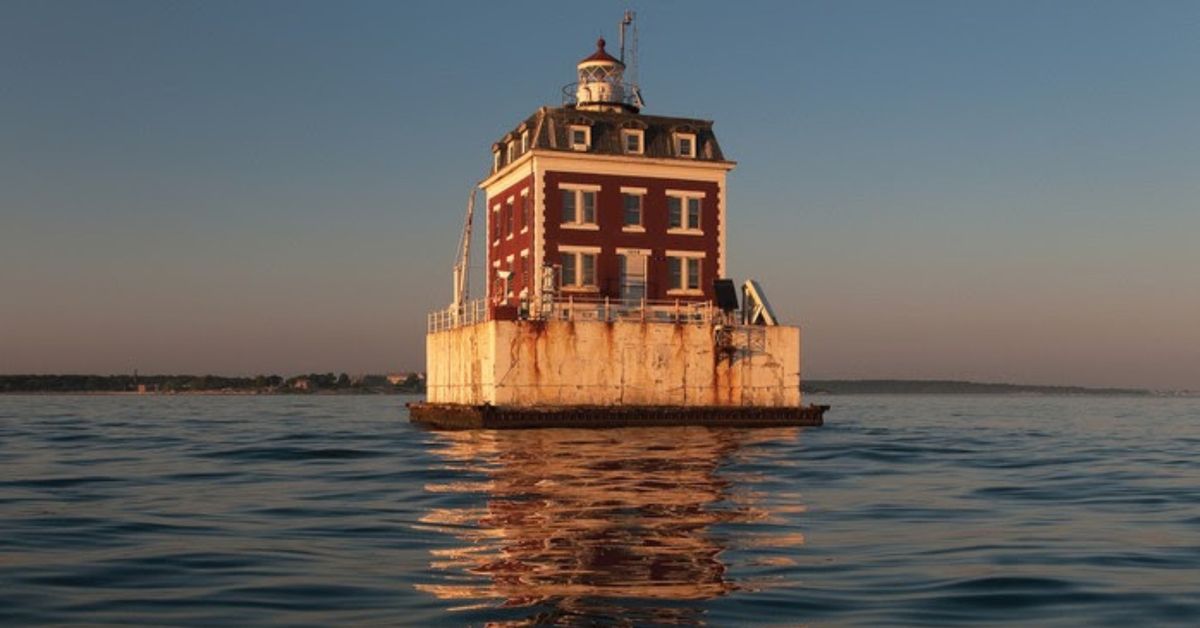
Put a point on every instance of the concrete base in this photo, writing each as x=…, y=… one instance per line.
x=559, y=364
x=459, y=416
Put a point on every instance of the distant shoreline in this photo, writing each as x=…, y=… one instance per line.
x=204, y=393
x=957, y=387
x=816, y=386
x=208, y=384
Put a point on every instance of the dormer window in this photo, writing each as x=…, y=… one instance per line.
x=496, y=160
x=512, y=151
x=632, y=141
x=685, y=145
x=524, y=142
x=581, y=137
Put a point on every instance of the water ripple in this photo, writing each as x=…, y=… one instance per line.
x=333, y=510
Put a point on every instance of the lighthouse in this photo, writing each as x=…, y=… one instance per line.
x=607, y=300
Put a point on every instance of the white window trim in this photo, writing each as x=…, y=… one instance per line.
x=583, y=187
x=525, y=275
x=587, y=137
x=512, y=207
x=627, y=251
x=686, y=255
x=684, y=196
x=579, y=189
x=640, y=134
x=578, y=248
x=512, y=151
x=496, y=160
x=577, y=251
x=496, y=221
x=634, y=191
x=682, y=136
x=524, y=142
x=509, y=282
x=525, y=217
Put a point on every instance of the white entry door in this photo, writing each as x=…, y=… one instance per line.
x=633, y=276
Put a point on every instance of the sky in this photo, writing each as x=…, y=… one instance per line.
x=995, y=191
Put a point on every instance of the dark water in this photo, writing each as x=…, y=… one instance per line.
x=333, y=510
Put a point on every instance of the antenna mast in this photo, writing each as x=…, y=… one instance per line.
x=631, y=72
x=626, y=20
x=462, y=265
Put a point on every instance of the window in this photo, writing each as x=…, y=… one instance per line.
x=496, y=287
x=578, y=269
x=581, y=137
x=579, y=206
x=685, y=144
x=509, y=217
x=511, y=280
x=683, y=273
x=512, y=152
x=631, y=141
x=496, y=160
x=683, y=212
x=526, y=277
x=524, y=142
x=495, y=222
x=526, y=212
x=633, y=208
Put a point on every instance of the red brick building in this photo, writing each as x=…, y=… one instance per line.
x=605, y=233
x=594, y=200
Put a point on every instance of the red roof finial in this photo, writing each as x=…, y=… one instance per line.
x=601, y=54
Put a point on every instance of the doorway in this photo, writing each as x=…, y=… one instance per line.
x=633, y=275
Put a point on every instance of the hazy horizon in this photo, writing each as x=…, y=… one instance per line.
x=994, y=192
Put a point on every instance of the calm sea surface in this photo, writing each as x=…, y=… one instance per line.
x=334, y=510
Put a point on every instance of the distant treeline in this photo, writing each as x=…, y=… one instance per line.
x=299, y=384
x=949, y=387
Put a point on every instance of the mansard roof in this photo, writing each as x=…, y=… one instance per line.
x=549, y=129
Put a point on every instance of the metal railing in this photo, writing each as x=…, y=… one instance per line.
x=625, y=94
x=573, y=308
x=470, y=313
x=604, y=309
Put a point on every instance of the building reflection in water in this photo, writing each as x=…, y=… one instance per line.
x=587, y=521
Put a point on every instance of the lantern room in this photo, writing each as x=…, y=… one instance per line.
x=601, y=85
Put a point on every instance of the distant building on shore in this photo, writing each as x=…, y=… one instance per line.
x=396, y=379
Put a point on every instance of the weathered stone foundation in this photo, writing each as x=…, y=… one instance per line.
x=603, y=364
